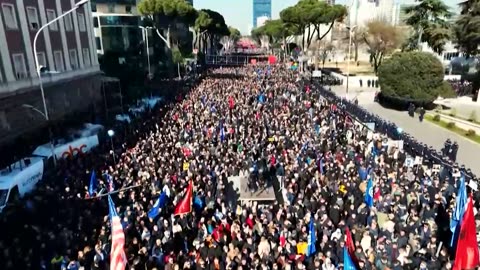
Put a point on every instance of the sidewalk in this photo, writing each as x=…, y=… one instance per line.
x=468, y=153
x=464, y=106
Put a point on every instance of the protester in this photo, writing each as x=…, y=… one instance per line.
x=258, y=121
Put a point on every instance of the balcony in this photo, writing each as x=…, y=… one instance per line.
x=117, y=2
x=26, y=84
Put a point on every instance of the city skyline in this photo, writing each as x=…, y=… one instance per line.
x=232, y=9
x=238, y=13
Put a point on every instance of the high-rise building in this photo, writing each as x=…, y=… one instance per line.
x=363, y=11
x=261, y=8
x=66, y=50
x=116, y=25
x=403, y=16
x=262, y=20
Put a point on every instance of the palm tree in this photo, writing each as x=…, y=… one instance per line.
x=429, y=19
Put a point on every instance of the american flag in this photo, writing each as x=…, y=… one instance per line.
x=118, y=259
x=111, y=185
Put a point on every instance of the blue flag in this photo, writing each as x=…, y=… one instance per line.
x=320, y=165
x=369, y=193
x=362, y=172
x=312, y=239
x=111, y=185
x=112, y=212
x=92, y=187
x=459, y=210
x=198, y=203
x=261, y=98
x=159, y=204
x=222, y=132
x=347, y=260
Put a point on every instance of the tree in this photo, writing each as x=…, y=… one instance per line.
x=229, y=40
x=467, y=27
x=413, y=76
x=325, y=49
x=381, y=39
x=210, y=27
x=429, y=21
x=164, y=14
x=274, y=32
x=309, y=15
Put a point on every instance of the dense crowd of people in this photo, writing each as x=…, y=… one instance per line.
x=240, y=120
x=461, y=87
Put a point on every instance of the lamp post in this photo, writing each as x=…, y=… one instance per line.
x=350, y=30
x=110, y=134
x=39, y=73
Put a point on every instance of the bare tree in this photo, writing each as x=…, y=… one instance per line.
x=381, y=39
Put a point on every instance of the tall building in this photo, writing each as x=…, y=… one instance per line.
x=262, y=20
x=261, y=8
x=363, y=11
x=66, y=49
x=403, y=16
x=116, y=24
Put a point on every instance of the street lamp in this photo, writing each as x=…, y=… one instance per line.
x=350, y=30
x=50, y=133
x=110, y=134
x=145, y=37
x=39, y=70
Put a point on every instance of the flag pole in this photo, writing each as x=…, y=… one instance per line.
x=113, y=192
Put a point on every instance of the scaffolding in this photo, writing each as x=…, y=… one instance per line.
x=233, y=60
x=112, y=95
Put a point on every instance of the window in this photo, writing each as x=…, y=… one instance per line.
x=50, y=17
x=42, y=62
x=111, y=8
x=73, y=59
x=98, y=42
x=95, y=22
x=19, y=66
x=32, y=16
x=58, y=58
x=128, y=9
x=81, y=22
x=10, y=16
x=68, y=22
x=86, y=57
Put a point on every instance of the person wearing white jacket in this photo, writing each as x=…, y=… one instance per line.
x=328, y=265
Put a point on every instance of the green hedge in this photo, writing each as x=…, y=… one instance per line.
x=413, y=76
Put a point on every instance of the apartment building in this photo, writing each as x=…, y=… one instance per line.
x=116, y=25
x=66, y=49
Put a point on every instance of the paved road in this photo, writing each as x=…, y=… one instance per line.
x=468, y=152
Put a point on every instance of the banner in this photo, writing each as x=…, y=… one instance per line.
x=272, y=59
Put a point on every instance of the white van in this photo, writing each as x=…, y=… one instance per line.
x=20, y=178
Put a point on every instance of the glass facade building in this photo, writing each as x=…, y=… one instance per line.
x=261, y=8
